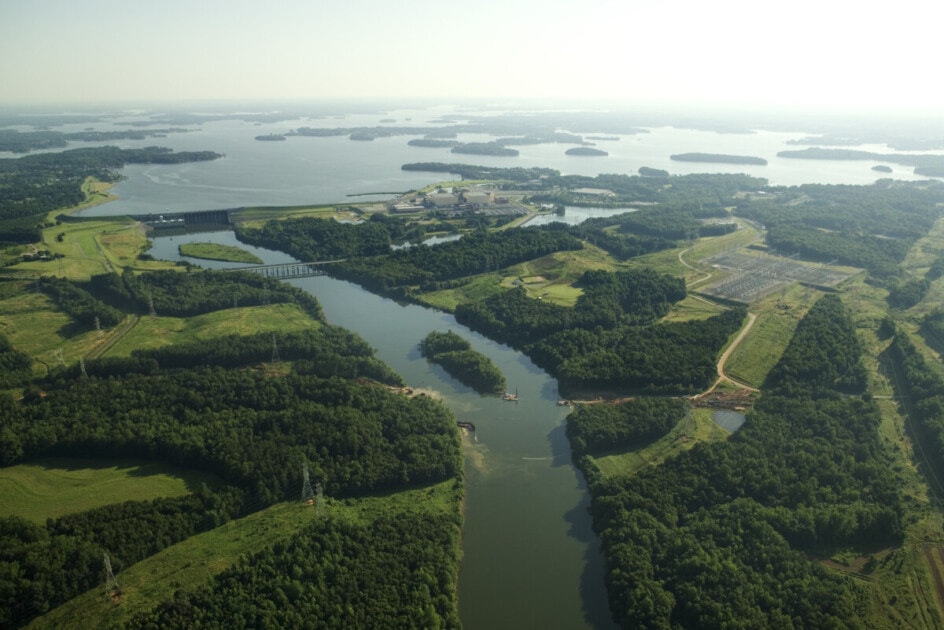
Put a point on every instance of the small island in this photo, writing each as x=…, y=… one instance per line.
x=214, y=251
x=881, y=168
x=588, y=151
x=467, y=366
x=718, y=158
x=271, y=137
x=484, y=148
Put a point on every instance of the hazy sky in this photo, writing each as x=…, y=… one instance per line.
x=824, y=52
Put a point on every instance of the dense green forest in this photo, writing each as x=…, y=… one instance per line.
x=15, y=366
x=33, y=185
x=394, y=572
x=457, y=357
x=864, y=226
x=598, y=429
x=209, y=406
x=726, y=534
x=609, y=340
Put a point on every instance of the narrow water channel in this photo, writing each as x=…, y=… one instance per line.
x=530, y=558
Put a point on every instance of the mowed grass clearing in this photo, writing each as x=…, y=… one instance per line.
x=50, y=488
x=34, y=326
x=193, y=562
x=777, y=318
x=155, y=332
x=697, y=426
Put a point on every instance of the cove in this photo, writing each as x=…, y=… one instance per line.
x=530, y=557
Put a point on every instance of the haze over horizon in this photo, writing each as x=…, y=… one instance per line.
x=803, y=55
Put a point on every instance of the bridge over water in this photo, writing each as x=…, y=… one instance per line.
x=289, y=270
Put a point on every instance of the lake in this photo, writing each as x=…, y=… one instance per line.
x=316, y=170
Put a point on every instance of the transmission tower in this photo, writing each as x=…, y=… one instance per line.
x=308, y=495
x=57, y=355
x=82, y=365
x=275, y=351
x=151, y=310
x=98, y=327
x=111, y=584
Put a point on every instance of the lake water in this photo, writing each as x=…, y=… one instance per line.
x=314, y=170
x=530, y=557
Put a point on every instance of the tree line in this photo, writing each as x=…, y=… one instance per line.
x=721, y=535
x=105, y=299
x=924, y=389
x=392, y=571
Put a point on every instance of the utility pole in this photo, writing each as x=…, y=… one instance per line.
x=112, y=589
x=308, y=495
x=275, y=351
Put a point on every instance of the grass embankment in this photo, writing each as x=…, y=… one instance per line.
x=255, y=217
x=191, y=563
x=777, y=317
x=697, y=426
x=155, y=332
x=215, y=251
x=49, y=488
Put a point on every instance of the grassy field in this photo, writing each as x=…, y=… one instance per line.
x=215, y=251
x=155, y=332
x=89, y=248
x=696, y=427
x=777, y=317
x=193, y=562
x=34, y=326
x=48, y=488
x=691, y=308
